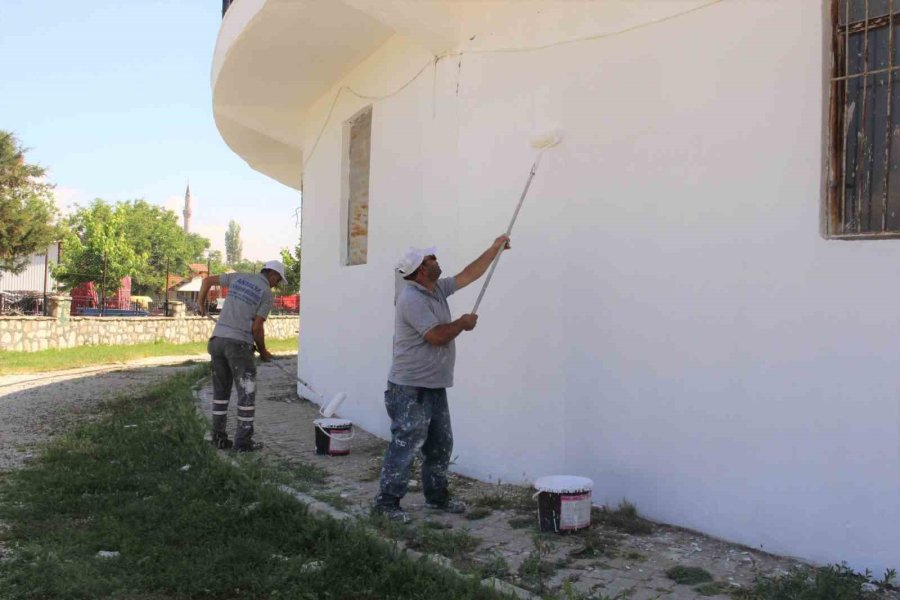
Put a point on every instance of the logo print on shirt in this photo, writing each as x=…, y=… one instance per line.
x=245, y=291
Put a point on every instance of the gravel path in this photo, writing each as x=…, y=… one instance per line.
x=37, y=406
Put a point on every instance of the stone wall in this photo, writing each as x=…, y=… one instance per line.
x=31, y=334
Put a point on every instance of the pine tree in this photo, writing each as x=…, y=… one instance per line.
x=27, y=210
x=233, y=244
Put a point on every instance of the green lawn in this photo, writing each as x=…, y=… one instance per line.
x=88, y=356
x=136, y=505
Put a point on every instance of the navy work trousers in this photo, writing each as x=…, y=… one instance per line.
x=233, y=364
x=420, y=421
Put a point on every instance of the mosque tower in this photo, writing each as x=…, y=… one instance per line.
x=187, y=209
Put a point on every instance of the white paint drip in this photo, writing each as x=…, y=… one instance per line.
x=248, y=384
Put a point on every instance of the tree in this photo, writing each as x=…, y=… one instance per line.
x=216, y=262
x=27, y=211
x=291, y=268
x=153, y=232
x=96, y=248
x=233, y=245
x=138, y=235
x=248, y=266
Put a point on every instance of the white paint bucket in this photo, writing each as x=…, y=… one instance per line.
x=564, y=502
x=333, y=436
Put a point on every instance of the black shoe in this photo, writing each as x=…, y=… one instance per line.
x=221, y=442
x=248, y=447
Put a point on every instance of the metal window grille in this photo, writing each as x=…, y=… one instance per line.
x=864, y=152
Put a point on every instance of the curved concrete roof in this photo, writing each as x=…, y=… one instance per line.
x=274, y=58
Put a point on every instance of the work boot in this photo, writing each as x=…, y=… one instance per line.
x=455, y=507
x=221, y=441
x=391, y=513
x=248, y=447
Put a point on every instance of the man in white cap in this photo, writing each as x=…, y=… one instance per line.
x=239, y=328
x=421, y=372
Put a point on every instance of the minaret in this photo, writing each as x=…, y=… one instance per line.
x=187, y=209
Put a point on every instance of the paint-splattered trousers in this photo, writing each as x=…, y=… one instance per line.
x=420, y=421
x=232, y=363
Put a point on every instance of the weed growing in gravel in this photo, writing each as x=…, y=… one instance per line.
x=522, y=522
x=836, y=582
x=479, y=512
x=297, y=473
x=507, y=498
x=452, y=544
x=569, y=592
x=712, y=589
x=688, y=575
x=436, y=525
x=624, y=518
x=497, y=567
x=594, y=543
x=373, y=471
x=535, y=570
x=430, y=537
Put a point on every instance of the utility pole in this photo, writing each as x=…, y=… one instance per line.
x=46, y=274
x=166, y=289
x=103, y=288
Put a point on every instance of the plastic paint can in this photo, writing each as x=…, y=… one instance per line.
x=564, y=503
x=333, y=436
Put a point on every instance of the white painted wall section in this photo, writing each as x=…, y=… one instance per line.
x=669, y=322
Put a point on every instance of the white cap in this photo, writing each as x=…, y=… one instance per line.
x=277, y=266
x=412, y=258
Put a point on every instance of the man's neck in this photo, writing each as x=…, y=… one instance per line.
x=428, y=285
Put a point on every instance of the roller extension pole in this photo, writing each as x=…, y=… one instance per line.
x=327, y=405
x=508, y=232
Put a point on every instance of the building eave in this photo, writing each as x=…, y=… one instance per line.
x=273, y=59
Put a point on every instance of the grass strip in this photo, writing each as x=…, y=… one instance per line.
x=87, y=356
x=137, y=505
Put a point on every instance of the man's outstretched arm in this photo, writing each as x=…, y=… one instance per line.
x=478, y=267
x=207, y=283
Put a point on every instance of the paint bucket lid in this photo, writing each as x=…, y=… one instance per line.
x=563, y=484
x=333, y=423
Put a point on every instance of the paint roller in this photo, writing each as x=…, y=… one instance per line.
x=327, y=407
x=539, y=142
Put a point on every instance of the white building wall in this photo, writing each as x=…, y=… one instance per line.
x=36, y=276
x=669, y=322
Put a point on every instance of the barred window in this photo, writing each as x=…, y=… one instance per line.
x=863, y=193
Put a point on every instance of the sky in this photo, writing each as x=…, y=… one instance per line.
x=113, y=98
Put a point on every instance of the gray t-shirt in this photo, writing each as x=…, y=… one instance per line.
x=249, y=296
x=416, y=362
